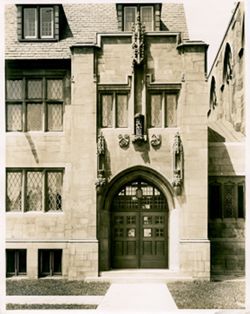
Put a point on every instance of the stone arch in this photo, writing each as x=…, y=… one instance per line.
x=134, y=173
x=104, y=211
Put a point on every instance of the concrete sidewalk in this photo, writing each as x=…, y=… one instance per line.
x=135, y=298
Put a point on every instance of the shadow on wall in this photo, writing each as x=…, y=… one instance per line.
x=65, y=31
x=214, y=136
x=32, y=147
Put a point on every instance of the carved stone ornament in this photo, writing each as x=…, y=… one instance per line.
x=101, y=181
x=177, y=147
x=138, y=40
x=101, y=145
x=177, y=164
x=155, y=140
x=139, y=137
x=124, y=140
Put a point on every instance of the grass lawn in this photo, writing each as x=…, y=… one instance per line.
x=208, y=295
x=187, y=295
x=55, y=287
x=49, y=306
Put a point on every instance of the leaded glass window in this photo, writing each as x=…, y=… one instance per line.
x=34, y=116
x=34, y=89
x=46, y=22
x=121, y=111
x=34, y=190
x=14, y=117
x=129, y=18
x=228, y=201
x=54, y=191
x=226, y=197
x=147, y=18
x=14, y=89
x=107, y=110
x=156, y=112
x=55, y=117
x=14, y=191
x=38, y=22
x=55, y=89
x=30, y=23
x=35, y=104
x=170, y=116
x=146, y=15
x=113, y=109
x=162, y=110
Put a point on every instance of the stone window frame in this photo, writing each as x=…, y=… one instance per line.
x=17, y=256
x=44, y=189
x=156, y=14
x=50, y=260
x=163, y=92
x=38, y=36
x=114, y=91
x=220, y=182
x=44, y=76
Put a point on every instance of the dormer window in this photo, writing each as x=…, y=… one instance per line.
x=38, y=23
x=146, y=15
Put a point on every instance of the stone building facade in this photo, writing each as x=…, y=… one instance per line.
x=106, y=141
x=226, y=151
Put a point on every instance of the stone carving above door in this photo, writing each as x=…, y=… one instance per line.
x=124, y=140
x=155, y=140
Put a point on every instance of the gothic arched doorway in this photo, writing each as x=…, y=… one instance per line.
x=139, y=226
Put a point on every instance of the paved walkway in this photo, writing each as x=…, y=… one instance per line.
x=137, y=298
x=120, y=298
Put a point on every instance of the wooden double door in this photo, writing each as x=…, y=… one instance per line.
x=139, y=232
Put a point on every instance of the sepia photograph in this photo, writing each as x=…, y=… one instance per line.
x=123, y=180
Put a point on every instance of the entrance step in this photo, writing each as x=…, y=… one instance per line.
x=141, y=276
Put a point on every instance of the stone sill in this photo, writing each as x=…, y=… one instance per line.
x=36, y=134
x=34, y=213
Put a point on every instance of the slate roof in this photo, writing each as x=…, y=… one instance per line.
x=81, y=24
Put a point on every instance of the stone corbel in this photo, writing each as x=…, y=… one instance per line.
x=177, y=164
x=101, y=181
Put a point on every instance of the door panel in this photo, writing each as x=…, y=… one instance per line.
x=154, y=240
x=125, y=242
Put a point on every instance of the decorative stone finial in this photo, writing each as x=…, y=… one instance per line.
x=138, y=40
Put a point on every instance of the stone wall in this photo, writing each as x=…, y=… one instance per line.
x=166, y=64
x=73, y=229
x=227, y=247
x=227, y=155
x=229, y=103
